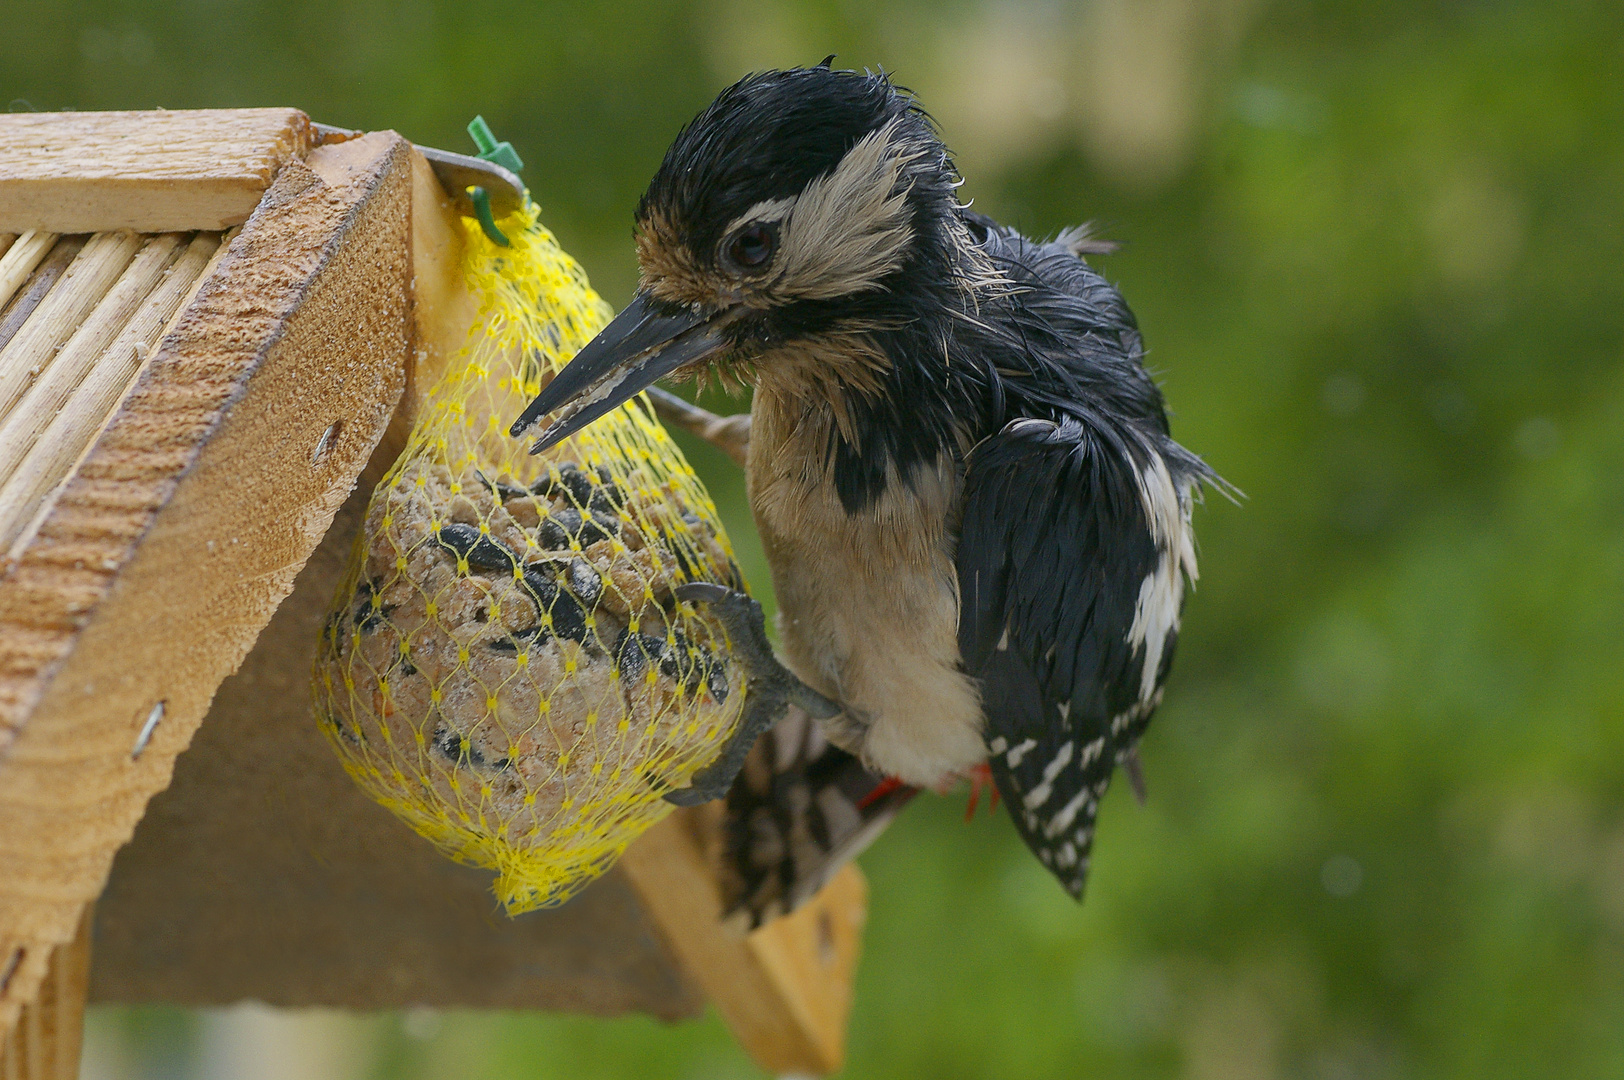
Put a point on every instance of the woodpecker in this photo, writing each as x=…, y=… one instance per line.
x=977, y=522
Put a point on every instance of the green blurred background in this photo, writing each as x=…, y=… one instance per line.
x=1376, y=248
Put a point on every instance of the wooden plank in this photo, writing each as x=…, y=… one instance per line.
x=156, y=171
x=263, y=872
x=47, y=1039
x=64, y=411
x=20, y=259
x=785, y=990
x=184, y=527
x=41, y=396
x=38, y=284
x=811, y=956
x=64, y=309
x=443, y=309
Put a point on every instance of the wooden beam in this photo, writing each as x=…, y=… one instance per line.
x=45, y=1043
x=170, y=546
x=147, y=171
x=784, y=989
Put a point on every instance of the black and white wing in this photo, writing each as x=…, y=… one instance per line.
x=1072, y=558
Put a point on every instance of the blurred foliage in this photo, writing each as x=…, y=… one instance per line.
x=1378, y=252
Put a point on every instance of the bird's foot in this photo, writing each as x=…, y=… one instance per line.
x=729, y=434
x=980, y=777
x=879, y=791
x=770, y=691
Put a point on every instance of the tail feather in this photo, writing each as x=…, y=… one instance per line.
x=799, y=811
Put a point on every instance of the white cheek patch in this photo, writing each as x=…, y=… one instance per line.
x=849, y=228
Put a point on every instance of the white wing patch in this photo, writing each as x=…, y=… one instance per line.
x=1040, y=794
x=1068, y=813
x=1018, y=753
x=1161, y=594
x=1155, y=616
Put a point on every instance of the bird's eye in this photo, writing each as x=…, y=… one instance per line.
x=751, y=247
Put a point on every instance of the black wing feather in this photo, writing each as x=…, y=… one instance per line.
x=1054, y=548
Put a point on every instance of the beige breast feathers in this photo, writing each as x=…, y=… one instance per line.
x=868, y=602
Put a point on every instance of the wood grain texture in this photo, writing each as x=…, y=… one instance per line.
x=155, y=171
x=47, y=1039
x=62, y=415
x=22, y=254
x=62, y=311
x=185, y=525
x=785, y=990
x=52, y=384
x=263, y=872
x=443, y=308
x=59, y=255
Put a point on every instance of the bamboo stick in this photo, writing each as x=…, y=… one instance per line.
x=6, y=240
x=86, y=412
x=41, y=401
x=20, y=259
x=63, y=309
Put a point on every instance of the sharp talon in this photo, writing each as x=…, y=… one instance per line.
x=690, y=796
x=769, y=691
x=981, y=780
x=706, y=592
x=880, y=791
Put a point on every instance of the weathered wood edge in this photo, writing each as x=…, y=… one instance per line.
x=46, y=1041
x=185, y=526
x=154, y=171
x=785, y=989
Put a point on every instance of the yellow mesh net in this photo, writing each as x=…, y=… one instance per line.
x=506, y=667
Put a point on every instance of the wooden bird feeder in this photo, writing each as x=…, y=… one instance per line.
x=214, y=330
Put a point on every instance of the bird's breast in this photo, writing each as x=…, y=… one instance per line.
x=868, y=601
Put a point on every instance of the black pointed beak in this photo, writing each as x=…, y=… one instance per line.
x=641, y=345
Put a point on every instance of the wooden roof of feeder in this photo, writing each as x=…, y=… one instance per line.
x=211, y=322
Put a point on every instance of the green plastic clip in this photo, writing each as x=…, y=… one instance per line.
x=482, y=210
x=497, y=153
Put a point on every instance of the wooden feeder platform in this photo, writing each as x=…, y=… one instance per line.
x=215, y=329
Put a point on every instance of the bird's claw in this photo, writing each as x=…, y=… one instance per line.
x=770, y=690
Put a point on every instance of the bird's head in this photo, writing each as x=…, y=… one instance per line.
x=801, y=208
